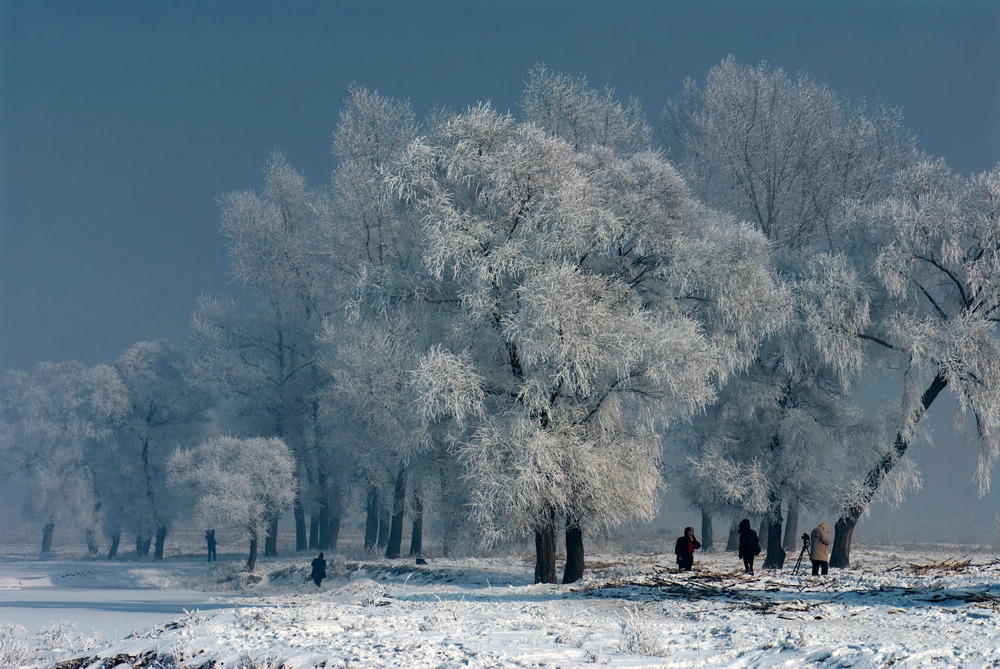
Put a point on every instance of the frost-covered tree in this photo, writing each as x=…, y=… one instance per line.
x=781, y=153
x=263, y=359
x=781, y=428
x=569, y=109
x=58, y=420
x=933, y=243
x=578, y=277
x=786, y=156
x=163, y=412
x=391, y=308
x=246, y=482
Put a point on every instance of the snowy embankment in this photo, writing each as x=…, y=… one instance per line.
x=932, y=606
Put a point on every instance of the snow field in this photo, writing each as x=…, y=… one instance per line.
x=937, y=607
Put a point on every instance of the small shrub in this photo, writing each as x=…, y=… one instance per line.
x=248, y=661
x=252, y=619
x=636, y=636
x=291, y=574
x=431, y=623
x=13, y=646
x=57, y=635
x=375, y=595
x=95, y=639
x=338, y=566
x=190, y=619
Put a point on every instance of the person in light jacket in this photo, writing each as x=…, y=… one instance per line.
x=684, y=549
x=819, y=551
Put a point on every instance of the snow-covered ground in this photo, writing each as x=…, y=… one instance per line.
x=900, y=607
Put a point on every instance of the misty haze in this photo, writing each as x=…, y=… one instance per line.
x=499, y=334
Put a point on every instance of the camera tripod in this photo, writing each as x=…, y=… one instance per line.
x=805, y=547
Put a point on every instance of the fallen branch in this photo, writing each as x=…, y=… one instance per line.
x=955, y=566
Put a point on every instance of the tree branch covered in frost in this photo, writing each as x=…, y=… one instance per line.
x=939, y=264
x=245, y=482
x=568, y=108
x=447, y=386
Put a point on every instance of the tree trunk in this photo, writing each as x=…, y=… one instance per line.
x=252, y=560
x=371, y=521
x=319, y=527
x=707, y=541
x=383, y=530
x=93, y=547
x=573, y=570
x=47, y=538
x=271, y=539
x=775, y=558
x=763, y=531
x=333, y=533
x=151, y=500
x=791, y=543
x=116, y=539
x=321, y=523
x=840, y=555
x=314, y=531
x=142, y=545
x=417, y=535
x=329, y=522
x=545, y=551
x=844, y=529
x=301, y=541
x=161, y=537
x=394, y=544
x=733, y=542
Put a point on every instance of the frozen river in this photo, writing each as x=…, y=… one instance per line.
x=111, y=598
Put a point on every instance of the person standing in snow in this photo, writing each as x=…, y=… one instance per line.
x=820, y=551
x=685, y=548
x=210, y=540
x=318, y=570
x=749, y=545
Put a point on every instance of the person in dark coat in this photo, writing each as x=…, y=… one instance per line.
x=318, y=570
x=685, y=548
x=210, y=540
x=749, y=545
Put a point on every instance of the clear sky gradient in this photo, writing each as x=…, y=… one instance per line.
x=122, y=121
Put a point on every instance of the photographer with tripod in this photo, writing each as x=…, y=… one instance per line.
x=805, y=549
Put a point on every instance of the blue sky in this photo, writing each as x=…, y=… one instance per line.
x=122, y=121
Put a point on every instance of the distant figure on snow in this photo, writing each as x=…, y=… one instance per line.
x=749, y=545
x=820, y=552
x=685, y=548
x=318, y=570
x=210, y=540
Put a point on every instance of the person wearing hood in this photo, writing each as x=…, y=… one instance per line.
x=819, y=551
x=749, y=545
x=318, y=570
x=685, y=548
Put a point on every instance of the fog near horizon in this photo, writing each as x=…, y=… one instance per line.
x=121, y=123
